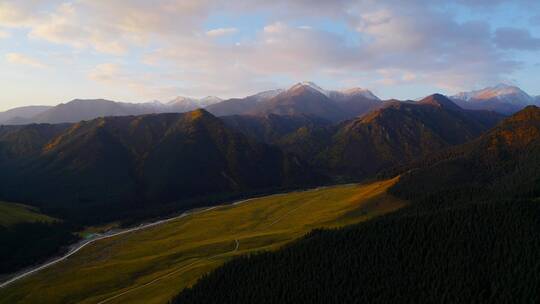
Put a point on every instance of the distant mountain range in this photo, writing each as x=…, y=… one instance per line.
x=88, y=109
x=21, y=115
x=305, y=98
x=502, y=98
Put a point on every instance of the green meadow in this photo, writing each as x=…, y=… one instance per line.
x=12, y=214
x=152, y=265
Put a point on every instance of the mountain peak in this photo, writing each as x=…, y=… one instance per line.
x=440, y=101
x=310, y=86
x=356, y=91
x=198, y=114
x=181, y=99
x=501, y=93
x=90, y=101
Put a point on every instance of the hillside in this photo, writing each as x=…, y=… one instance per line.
x=26, y=140
x=150, y=266
x=150, y=160
x=28, y=236
x=469, y=235
x=395, y=134
x=12, y=214
x=504, y=161
x=272, y=128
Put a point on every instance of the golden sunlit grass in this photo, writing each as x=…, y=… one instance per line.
x=11, y=214
x=153, y=265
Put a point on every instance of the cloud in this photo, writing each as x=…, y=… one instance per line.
x=535, y=20
x=276, y=27
x=105, y=73
x=147, y=85
x=4, y=34
x=221, y=31
x=420, y=41
x=516, y=39
x=21, y=59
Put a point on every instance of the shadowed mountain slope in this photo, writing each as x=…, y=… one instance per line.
x=469, y=235
x=395, y=134
x=140, y=161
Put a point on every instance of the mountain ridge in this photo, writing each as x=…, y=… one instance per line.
x=72, y=171
x=503, y=98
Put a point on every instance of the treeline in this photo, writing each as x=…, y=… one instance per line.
x=470, y=235
x=479, y=253
x=26, y=244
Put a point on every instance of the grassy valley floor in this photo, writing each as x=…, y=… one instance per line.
x=153, y=265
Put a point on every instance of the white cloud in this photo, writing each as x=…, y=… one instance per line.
x=276, y=27
x=21, y=59
x=4, y=34
x=416, y=39
x=105, y=73
x=221, y=31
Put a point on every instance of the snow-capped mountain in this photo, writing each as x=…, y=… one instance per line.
x=265, y=95
x=303, y=98
x=185, y=104
x=337, y=94
x=502, y=98
x=310, y=86
x=353, y=92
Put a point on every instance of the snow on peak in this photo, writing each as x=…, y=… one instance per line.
x=309, y=85
x=501, y=92
x=359, y=92
x=208, y=100
x=338, y=94
x=181, y=100
x=193, y=102
x=267, y=94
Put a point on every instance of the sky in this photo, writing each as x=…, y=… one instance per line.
x=138, y=51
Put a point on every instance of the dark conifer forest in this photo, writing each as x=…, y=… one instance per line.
x=470, y=235
x=26, y=244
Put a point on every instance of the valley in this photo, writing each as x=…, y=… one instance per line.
x=152, y=265
x=269, y=152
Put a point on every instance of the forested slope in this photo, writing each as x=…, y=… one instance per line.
x=470, y=236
